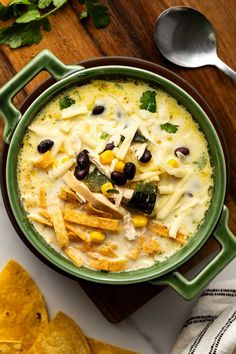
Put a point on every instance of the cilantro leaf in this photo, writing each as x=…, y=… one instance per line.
x=28, y=16
x=66, y=102
x=19, y=34
x=59, y=3
x=5, y=12
x=100, y=16
x=42, y=4
x=104, y=135
x=29, y=20
x=169, y=128
x=148, y=101
x=83, y=15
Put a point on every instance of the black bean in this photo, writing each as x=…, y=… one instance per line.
x=118, y=178
x=83, y=159
x=109, y=146
x=98, y=110
x=146, y=157
x=129, y=170
x=183, y=150
x=81, y=173
x=45, y=145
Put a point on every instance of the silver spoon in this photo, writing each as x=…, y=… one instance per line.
x=186, y=38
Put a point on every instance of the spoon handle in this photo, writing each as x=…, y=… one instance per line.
x=225, y=68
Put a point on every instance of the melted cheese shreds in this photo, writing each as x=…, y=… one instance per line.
x=129, y=133
x=73, y=111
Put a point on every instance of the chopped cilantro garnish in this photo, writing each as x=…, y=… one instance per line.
x=104, y=135
x=66, y=102
x=169, y=128
x=148, y=101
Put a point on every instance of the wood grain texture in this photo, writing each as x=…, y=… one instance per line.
x=131, y=34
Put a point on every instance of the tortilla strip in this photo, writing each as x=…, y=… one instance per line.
x=135, y=253
x=91, y=210
x=92, y=221
x=73, y=255
x=41, y=221
x=61, y=336
x=150, y=246
x=79, y=235
x=59, y=226
x=42, y=198
x=96, y=347
x=67, y=195
x=99, y=264
x=44, y=162
x=116, y=265
x=107, y=251
x=162, y=230
x=46, y=215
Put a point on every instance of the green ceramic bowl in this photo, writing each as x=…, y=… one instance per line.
x=161, y=273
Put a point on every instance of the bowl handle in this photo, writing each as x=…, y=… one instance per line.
x=188, y=289
x=45, y=60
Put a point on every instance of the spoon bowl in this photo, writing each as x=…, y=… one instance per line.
x=185, y=37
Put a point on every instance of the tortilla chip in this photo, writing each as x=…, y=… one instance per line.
x=61, y=336
x=23, y=312
x=10, y=347
x=59, y=226
x=98, y=347
x=90, y=220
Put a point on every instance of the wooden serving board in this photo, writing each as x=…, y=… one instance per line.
x=131, y=34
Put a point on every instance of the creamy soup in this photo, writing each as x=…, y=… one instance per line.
x=115, y=175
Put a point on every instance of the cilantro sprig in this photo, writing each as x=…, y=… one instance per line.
x=169, y=128
x=66, y=102
x=30, y=19
x=148, y=101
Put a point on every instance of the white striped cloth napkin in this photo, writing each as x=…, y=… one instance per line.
x=211, y=329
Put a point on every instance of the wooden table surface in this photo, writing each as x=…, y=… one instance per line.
x=130, y=33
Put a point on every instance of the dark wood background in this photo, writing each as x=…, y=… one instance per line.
x=130, y=33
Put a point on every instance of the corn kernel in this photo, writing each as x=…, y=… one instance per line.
x=119, y=167
x=173, y=163
x=105, y=187
x=65, y=159
x=139, y=220
x=107, y=156
x=97, y=236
